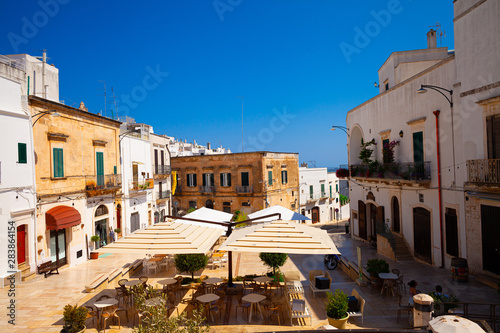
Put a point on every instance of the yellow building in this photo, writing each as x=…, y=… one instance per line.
x=78, y=188
x=240, y=181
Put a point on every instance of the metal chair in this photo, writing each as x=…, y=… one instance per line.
x=111, y=313
x=395, y=271
x=91, y=313
x=245, y=306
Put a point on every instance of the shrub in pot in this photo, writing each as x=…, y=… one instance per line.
x=336, y=308
x=376, y=266
x=74, y=319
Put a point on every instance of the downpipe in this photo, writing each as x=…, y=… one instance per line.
x=436, y=113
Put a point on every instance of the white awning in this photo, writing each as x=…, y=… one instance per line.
x=286, y=214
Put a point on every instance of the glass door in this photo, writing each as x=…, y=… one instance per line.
x=58, y=247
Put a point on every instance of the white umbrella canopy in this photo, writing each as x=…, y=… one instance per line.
x=174, y=237
x=452, y=324
x=286, y=214
x=280, y=237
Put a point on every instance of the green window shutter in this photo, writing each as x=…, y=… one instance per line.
x=22, y=156
x=99, y=159
x=58, y=162
x=337, y=188
x=311, y=189
x=270, y=178
x=114, y=169
x=418, y=147
x=322, y=190
x=330, y=191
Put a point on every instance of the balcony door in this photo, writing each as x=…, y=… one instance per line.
x=99, y=161
x=493, y=136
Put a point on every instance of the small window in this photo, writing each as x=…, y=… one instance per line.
x=22, y=155
x=311, y=191
x=225, y=179
x=191, y=179
x=270, y=178
x=58, y=164
x=245, y=204
x=284, y=177
x=192, y=204
x=101, y=210
x=245, y=179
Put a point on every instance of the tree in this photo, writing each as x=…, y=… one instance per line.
x=190, y=262
x=239, y=216
x=273, y=260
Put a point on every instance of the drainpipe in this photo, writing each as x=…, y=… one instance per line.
x=436, y=113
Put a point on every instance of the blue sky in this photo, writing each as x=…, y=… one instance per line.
x=181, y=65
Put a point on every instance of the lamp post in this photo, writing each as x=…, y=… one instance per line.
x=342, y=128
x=43, y=113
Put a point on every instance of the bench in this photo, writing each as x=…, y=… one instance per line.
x=113, y=275
x=48, y=268
x=297, y=314
x=312, y=281
x=361, y=305
x=96, y=283
x=292, y=283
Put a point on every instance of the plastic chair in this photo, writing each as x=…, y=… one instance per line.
x=395, y=271
x=111, y=313
x=274, y=311
x=218, y=308
x=245, y=306
x=91, y=313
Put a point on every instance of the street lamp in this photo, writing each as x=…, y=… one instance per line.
x=43, y=113
x=342, y=128
x=440, y=90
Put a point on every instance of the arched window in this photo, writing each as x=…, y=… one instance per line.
x=101, y=210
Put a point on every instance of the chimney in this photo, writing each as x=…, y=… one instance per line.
x=208, y=145
x=431, y=39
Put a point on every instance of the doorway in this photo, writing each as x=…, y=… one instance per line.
x=209, y=204
x=422, y=234
x=490, y=229
x=58, y=247
x=21, y=244
x=315, y=214
x=396, y=223
x=362, y=219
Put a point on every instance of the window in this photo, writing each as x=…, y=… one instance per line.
x=331, y=196
x=192, y=204
x=191, y=179
x=493, y=136
x=311, y=191
x=337, y=188
x=156, y=161
x=245, y=181
x=226, y=207
x=284, y=177
x=418, y=147
x=101, y=210
x=270, y=178
x=225, y=179
x=208, y=179
x=22, y=156
x=323, y=193
x=58, y=165
x=451, y=232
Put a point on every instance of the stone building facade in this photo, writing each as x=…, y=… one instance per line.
x=240, y=181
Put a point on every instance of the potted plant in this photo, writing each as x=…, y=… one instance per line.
x=190, y=262
x=342, y=173
x=95, y=239
x=443, y=303
x=74, y=319
x=336, y=308
x=273, y=260
x=374, y=267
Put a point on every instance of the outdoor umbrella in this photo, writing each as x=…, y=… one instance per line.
x=286, y=214
x=280, y=237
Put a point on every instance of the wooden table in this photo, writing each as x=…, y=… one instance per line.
x=160, y=256
x=263, y=279
x=212, y=281
x=389, y=281
x=101, y=305
x=254, y=300
x=155, y=259
x=167, y=282
x=207, y=299
x=131, y=283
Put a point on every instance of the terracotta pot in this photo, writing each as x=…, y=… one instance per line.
x=339, y=323
x=94, y=255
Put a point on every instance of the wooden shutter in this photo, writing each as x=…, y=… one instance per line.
x=222, y=179
x=205, y=175
x=418, y=147
x=244, y=179
x=194, y=179
x=228, y=179
x=99, y=158
x=58, y=162
x=331, y=191
x=212, y=180
x=22, y=156
x=162, y=161
x=270, y=178
x=311, y=191
x=379, y=220
x=156, y=161
x=322, y=190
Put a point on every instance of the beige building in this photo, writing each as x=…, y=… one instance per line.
x=76, y=162
x=240, y=181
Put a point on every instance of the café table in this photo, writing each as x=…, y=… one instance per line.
x=207, y=299
x=389, y=283
x=254, y=300
x=167, y=282
x=153, y=301
x=131, y=283
x=102, y=305
x=160, y=256
x=263, y=279
x=211, y=282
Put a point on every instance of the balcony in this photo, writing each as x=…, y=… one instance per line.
x=483, y=171
x=102, y=184
x=206, y=189
x=162, y=196
x=244, y=189
x=162, y=170
x=393, y=171
x=140, y=185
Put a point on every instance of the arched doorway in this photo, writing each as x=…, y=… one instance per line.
x=21, y=244
x=422, y=234
x=396, y=223
x=119, y=216
x=209, y=204
x=315, y=214
x=101, y=225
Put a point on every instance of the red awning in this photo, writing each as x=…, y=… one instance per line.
x=62, y=217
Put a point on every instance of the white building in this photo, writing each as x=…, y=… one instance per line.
x=184, y=148
x=419, y=198
x=319, y=195
x=137, y=177
x=17, y=173
x=162, y=176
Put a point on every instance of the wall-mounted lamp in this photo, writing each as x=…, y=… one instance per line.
x=376, y=85
x=400, y=134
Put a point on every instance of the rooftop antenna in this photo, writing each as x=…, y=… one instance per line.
x=440, y=32
x=104, y=96
x=114, y=103
x=313, y=163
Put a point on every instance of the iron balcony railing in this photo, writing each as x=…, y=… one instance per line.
x=100, y=182
x=403, y=171
x=163, y=169
x=244, y=189
x=163, y=194
x=140, y=185
x=206, y=189
x=483, y=171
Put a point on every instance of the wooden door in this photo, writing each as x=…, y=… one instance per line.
x=21, y=244
x=490, y=231
x=380, y=220
x=396, y=223
x=422, y=234
x=362, y=219
x=315, y=215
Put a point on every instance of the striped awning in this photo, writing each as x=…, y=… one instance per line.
x=62, y=217
x=280, y=237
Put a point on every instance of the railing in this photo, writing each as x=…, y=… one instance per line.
x=163, y=194
x=163, y=169
x=244, y=189
x=15, y=63
x=206, y=189
x=483, y=171
x=141, y=185
x=403, y=171
x=100, y=182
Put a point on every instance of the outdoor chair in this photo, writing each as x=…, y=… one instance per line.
x=111, y=313
x=361, y=306
x=144, y=280
x=121, y=294
x=395, y=271
x=91, y=313
x=103, y=297
x=244, y=306
x=274, y=311
x=408, y=309
x=400, y=285
x=218, y=308
x=164, y=264
x=150, y=267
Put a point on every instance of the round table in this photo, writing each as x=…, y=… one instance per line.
x=101, y=305
x=212, y=281
x=131, y=283
x=389, y=283
x=153, y=301
x=155, y=259
x=167, y=282
x=207, y=299
x=254, y=300
x=263, y=279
